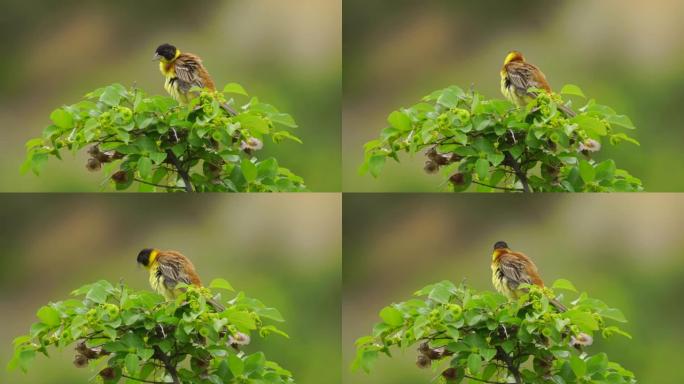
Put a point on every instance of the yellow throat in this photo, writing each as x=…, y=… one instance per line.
x=153, y=258
x=165, y=65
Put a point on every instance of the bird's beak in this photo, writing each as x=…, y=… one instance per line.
x=156, y=57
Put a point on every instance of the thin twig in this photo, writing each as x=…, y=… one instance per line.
x=158, y=185
x=146, y=381
x=502, y=188
x=482, y=381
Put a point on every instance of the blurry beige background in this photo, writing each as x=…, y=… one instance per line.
x=623, y=249
x=288, y=53
x=626, y=54
x=281, y=249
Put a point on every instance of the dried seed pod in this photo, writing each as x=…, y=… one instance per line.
x=449, y=374
x=457, y=178
x=87, y=352
x=80, y=361
x=431, y=167
x=454, y=158
x=120, y=177
x=108, y=373
x=423, y=362
x=424, y=347
x=93, y=165
x=103, y=157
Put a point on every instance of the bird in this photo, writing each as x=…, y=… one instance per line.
x=518, y=76
x=182, y=71
x=169, y=268
x=511, y=269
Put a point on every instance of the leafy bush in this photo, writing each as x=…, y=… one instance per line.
x=141, y=337
x=491, y=145
x=159, y=144
x=484, y=337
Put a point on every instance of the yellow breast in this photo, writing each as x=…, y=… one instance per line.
x=510, y=92
x=501, y=284
x=167, y=68
x=171, y=86
x=157, y=282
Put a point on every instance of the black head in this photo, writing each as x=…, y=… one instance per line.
x=166, y=51
x=144, y=256
x=500, y=245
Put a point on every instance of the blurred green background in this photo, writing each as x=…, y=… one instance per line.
x=623, y=249
x=286, y=53
x=282, y=249
x=626, y=54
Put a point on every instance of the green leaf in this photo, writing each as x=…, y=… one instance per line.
x=22, y=359
x=584, y=320
x=240, y=319
x=62, y=118
x=236, y=365
x=482, y=168
x=440, y=293
x=449, y=97
x=145, y=167
x=593, y=126
x=131, y=362
x=364, y=360
x=605, y=170
x=571, y=89
x=283, y=119
x=399, y=121
x=235, y=88
x=564, y=284
x=391, y=316
x=111, y=96
x=97, y=293
x=474, y=363
x=578, y=366
x=613, y=313
x=221, y=284
x=158, y=157
x=587, y=171
x=270, y=313
x=145, y=353
x=484, y=145
x=49, y=316
x=268, y=169
x=621, y=120
x=256, y=125
x=375, y=164
x=618, y=137
x=597, y=364
x=280, y=135
x=496, y=158
x=249, y=170
x=488, y=353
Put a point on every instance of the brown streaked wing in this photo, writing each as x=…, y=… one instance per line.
x=187, y=71
x=524, y=76
x=175, y=268
x=514, y=270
